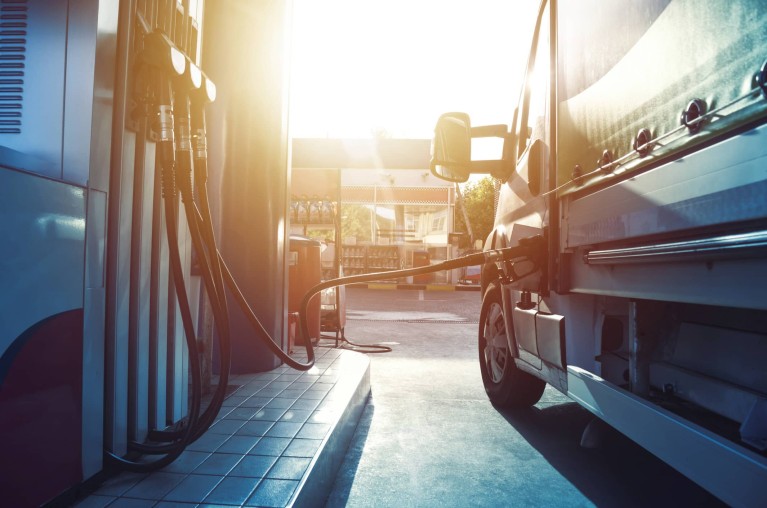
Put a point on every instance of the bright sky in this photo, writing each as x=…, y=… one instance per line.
x=361, y=66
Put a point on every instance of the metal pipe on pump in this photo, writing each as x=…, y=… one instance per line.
x=248, y=163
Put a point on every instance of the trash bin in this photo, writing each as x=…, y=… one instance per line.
x=305, y=269
x=421, y=258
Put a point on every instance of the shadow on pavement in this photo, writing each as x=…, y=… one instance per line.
x=348, y=469
x=604, y=474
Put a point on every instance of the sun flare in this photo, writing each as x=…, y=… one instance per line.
x=362, y=68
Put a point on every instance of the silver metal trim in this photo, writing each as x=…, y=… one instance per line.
x=729, y=246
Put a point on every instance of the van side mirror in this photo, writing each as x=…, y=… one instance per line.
x=451, y=149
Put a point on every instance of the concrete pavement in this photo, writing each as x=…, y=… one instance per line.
x=429, y=436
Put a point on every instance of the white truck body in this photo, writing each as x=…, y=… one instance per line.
x=638, y=151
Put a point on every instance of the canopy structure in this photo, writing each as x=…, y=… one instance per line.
x=367, y=171
x=315, y=153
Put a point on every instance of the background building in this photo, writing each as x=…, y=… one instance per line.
x=387, y=204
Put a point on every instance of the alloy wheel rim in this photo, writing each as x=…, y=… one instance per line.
x=496, y=347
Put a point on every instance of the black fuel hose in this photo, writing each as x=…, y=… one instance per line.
x=529, y=249
x=204, y=217
x=247, y=310
x=354, y=346
x=211, y=271
x=171, y=220
x=204, y=244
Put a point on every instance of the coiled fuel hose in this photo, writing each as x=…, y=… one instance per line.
x=166, y=146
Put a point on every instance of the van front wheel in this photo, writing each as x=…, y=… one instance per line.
x=505, y=384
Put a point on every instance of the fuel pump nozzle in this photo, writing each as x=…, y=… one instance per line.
x=204, y=94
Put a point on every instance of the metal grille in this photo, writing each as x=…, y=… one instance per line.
x=13, y=46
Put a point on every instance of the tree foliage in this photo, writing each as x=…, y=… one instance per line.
x=479, y=199
x=355, y=221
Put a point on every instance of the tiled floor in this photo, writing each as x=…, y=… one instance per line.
x=262, y=449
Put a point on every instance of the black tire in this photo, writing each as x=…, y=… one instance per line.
x=505, y=384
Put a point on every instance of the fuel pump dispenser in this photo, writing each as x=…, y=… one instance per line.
x=177, y=86
x=93, y=371
x=53, y=208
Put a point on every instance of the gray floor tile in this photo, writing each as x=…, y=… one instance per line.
x=270, y=446
x=333, y=353
x=290, y=394
x=284, y=429
x=126, y=502
x=313, y=431
x=218, y=464
x=313, y=395
x=242, y=413
x=208, y=443
x=279, y=403
x=268, y=392
x=238, y=444
x=302, y=448
x=296, y=415
x=300, y=385
x=118, y=485
x=254, y=466
x=194, y=488
x=321, y=386
x=269, y=414
x=289, y=468
x=257, y=402
x=255, y=428
x=308, y=404
x=268, y=376
x=186, y=462
x=223, y=412
x=155, y=486
x=279, y=384
x=272, y=493
x=233, y=400
x=251, y=388
x=325, y=416
x=232, y=490
x=258, y=461
x=335, y=405
x=226, y=426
